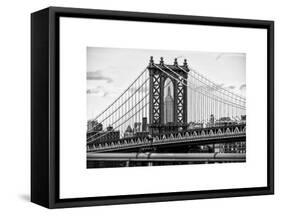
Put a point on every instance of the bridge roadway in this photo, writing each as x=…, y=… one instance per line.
x=175, y=142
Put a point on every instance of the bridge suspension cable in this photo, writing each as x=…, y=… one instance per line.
x=238, y=103
x=215, y=95
x=205, y=94
x=212, y=97
x=122, y=123
x=136, y=104
x=214, y=84
x=124, y=102
x=109, y=106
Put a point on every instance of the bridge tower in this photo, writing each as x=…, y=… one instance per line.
x=158, y=74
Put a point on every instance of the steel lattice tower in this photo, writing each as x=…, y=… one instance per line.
x=156, y=94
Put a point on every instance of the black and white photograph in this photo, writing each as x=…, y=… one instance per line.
x=134, y=107
x=165, y=107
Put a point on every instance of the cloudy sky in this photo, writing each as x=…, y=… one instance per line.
x=111, y=70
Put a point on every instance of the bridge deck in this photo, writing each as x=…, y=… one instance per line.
x=177, y=141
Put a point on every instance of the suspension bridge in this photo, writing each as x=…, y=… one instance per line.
x=170, y=108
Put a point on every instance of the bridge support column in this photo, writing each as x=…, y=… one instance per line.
x=127, y=163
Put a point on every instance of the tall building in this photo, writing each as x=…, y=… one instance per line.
x=169, y=107
x=94, y=125
x=144, y=124
x=129, y=132
x=212, y=119
x=109, y=128
x=98, y=135
x=137, y=127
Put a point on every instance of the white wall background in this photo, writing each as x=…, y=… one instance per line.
x=15, y=107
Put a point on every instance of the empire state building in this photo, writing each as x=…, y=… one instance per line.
x=169, y=107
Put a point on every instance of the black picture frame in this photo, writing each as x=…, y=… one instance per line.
x=45, y=106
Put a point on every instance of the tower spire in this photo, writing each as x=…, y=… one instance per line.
x=169, y=91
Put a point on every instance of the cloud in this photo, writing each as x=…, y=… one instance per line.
x=219, y=56
x=231, y=87
x=93, y=91
x=97, y=75
x=102, y=91
x=219, y=85
x=242, y=87
x=98, y=91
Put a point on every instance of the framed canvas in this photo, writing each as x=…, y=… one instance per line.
x=131, y=107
